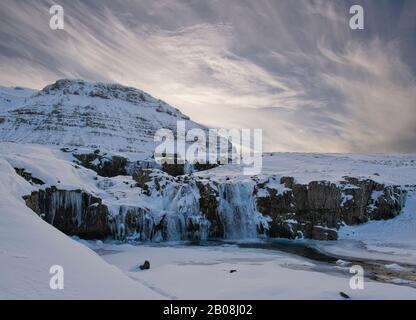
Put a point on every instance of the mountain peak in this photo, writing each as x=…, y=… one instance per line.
x=101, y=90
x=73, y=112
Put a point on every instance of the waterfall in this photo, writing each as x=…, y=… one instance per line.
x=175, y=214
x=184, y=220
x=238, y=211
x=133, y=223
x=172, y=212
x=69, y=201
x=174, y=227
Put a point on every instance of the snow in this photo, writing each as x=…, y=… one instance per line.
x=49, y=164
x=272, y=184
x=34, y=125
x=77, y=113
x=29, y=247
x=388, y=240
x=13, y=97
x=183, y=272
x=398, y=169
x=395, y=267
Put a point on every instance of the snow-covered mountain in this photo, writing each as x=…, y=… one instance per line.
x=86, y=114
x=54, y=178
x=144, y=203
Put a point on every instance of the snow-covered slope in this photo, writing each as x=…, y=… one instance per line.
x=29, y=247
x=392, y=240
x=79, y=113
x=13, y=97
x=399, y=169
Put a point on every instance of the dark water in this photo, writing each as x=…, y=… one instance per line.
x=296, y=248
x=281, y=245
x=374, y=269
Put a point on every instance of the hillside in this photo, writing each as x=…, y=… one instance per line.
x=78, y=113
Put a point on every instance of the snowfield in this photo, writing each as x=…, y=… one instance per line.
x=180, y=272
x=397, y=169
x=393, y=240
x=29, y=246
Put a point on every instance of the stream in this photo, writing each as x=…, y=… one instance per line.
x=375, y=270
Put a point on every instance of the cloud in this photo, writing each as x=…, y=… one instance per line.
x=379, y=98
x=292, y=68
x=324, y=9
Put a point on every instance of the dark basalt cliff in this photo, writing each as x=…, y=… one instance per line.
x=314, y=211
x=74, y=212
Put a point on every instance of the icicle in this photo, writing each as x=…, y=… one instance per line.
x=238, y=210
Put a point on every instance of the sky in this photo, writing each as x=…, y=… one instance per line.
x=292, y=68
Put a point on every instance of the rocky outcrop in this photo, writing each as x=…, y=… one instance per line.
x=177, y=168
x=317, y=209
x=113, y=165
x=282, y=207
x=208, y=204
x=194, y=208
x=105, y=166
x=28, y=177
x=142, y=177
x=174, y=169
x=74, y=212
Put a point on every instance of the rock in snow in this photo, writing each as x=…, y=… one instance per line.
x=145, y=265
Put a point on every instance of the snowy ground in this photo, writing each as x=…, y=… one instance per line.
x=306, y=167
x=29, y=246
x=392, y=240
x=183, y=272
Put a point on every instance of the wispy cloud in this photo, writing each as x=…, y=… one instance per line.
x=292, y=68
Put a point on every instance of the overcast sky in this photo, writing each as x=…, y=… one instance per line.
x=293, y=68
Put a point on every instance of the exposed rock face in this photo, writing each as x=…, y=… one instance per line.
x=208, y=203
x=174, y=169
x=142, y=177
x=316, y=210
x=28, y=176
x=105, y=166
x=112, y=166
x=193, y=208
x=75, y=213
x=374, y=201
